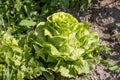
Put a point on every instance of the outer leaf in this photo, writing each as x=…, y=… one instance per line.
x=20, y=75
x=54, y=3
x=18, y=5
x=48, y=76
x=65, y=4
x=27, y=23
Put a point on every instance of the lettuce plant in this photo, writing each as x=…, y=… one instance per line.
x=66, y=46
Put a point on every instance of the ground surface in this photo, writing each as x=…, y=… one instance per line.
x=103, y=16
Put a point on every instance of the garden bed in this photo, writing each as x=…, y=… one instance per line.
x=41, y=38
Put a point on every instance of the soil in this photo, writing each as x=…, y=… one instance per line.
x=102, y=16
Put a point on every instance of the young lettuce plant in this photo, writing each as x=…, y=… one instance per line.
x=66, y=46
